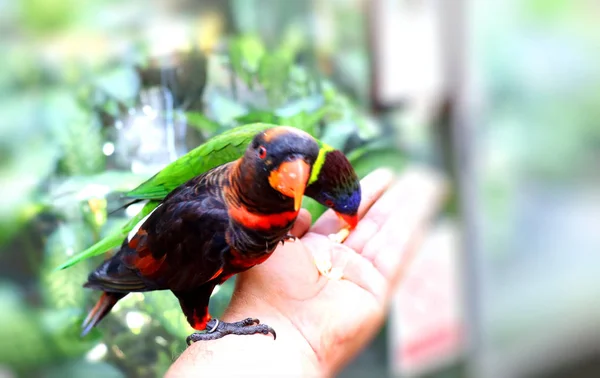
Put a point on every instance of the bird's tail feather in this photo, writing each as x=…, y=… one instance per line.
x=102, y=307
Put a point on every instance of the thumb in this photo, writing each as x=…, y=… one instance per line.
x=302, y=223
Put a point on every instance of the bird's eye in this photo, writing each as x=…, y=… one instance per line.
x=329, y=203
x=262, y=152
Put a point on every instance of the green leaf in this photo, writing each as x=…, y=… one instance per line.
x=11, y=224
x=299, y=120
x=77, y=131
x=43, y=17
x=306, y=121
x=264, y=116
x=371, y=146
x=293, y=41
x=121, y=83
x=245, y=53
x=63, y=327
x=309, y=104
x=305, y=114
x=63, y=289
x=164, y=307
x=224, y=109
x=30, y=338
x=365, y=163
x=236, y=59
x=337, y=133
x=201, y=122
x=252, y=49
x=273, y=74
x=19, y=332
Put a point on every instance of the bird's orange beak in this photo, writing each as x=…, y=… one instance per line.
x=351, y=220
x=290, y=180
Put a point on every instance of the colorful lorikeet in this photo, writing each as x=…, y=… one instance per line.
x=224, y=222
x=332, y=183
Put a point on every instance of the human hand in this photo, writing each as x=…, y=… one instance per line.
x=322, y=323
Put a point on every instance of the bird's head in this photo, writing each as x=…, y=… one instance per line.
x=280, y=159
x=334, y=183
x=292, y=163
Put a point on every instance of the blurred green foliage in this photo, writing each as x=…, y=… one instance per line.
x=59, y=187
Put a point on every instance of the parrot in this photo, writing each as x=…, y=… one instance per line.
x=223, y=222
x=343, y=197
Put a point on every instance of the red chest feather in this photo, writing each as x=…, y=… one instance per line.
x=261, y=221
x=240, y=261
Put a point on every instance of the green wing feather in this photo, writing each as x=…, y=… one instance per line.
x=113, y=240
x=223, y=148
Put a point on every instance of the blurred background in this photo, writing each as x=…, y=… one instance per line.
x=502, y=97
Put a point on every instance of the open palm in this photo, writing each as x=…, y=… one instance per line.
x=329, y=320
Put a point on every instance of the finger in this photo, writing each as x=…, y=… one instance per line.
x=422, y=194
x=352, y=264
x=372, y=187
x=360, y=273
x=377, y=215
x=302, y=223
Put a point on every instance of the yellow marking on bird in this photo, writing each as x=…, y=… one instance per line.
x=319, y=162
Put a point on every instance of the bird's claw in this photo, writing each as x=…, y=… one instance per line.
x=217, y=329
x=246, y=322
x=288, y=238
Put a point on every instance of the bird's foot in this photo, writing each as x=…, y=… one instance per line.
x=288, y=238
x=215, y=329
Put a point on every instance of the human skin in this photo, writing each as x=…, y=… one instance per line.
x=322, y=323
